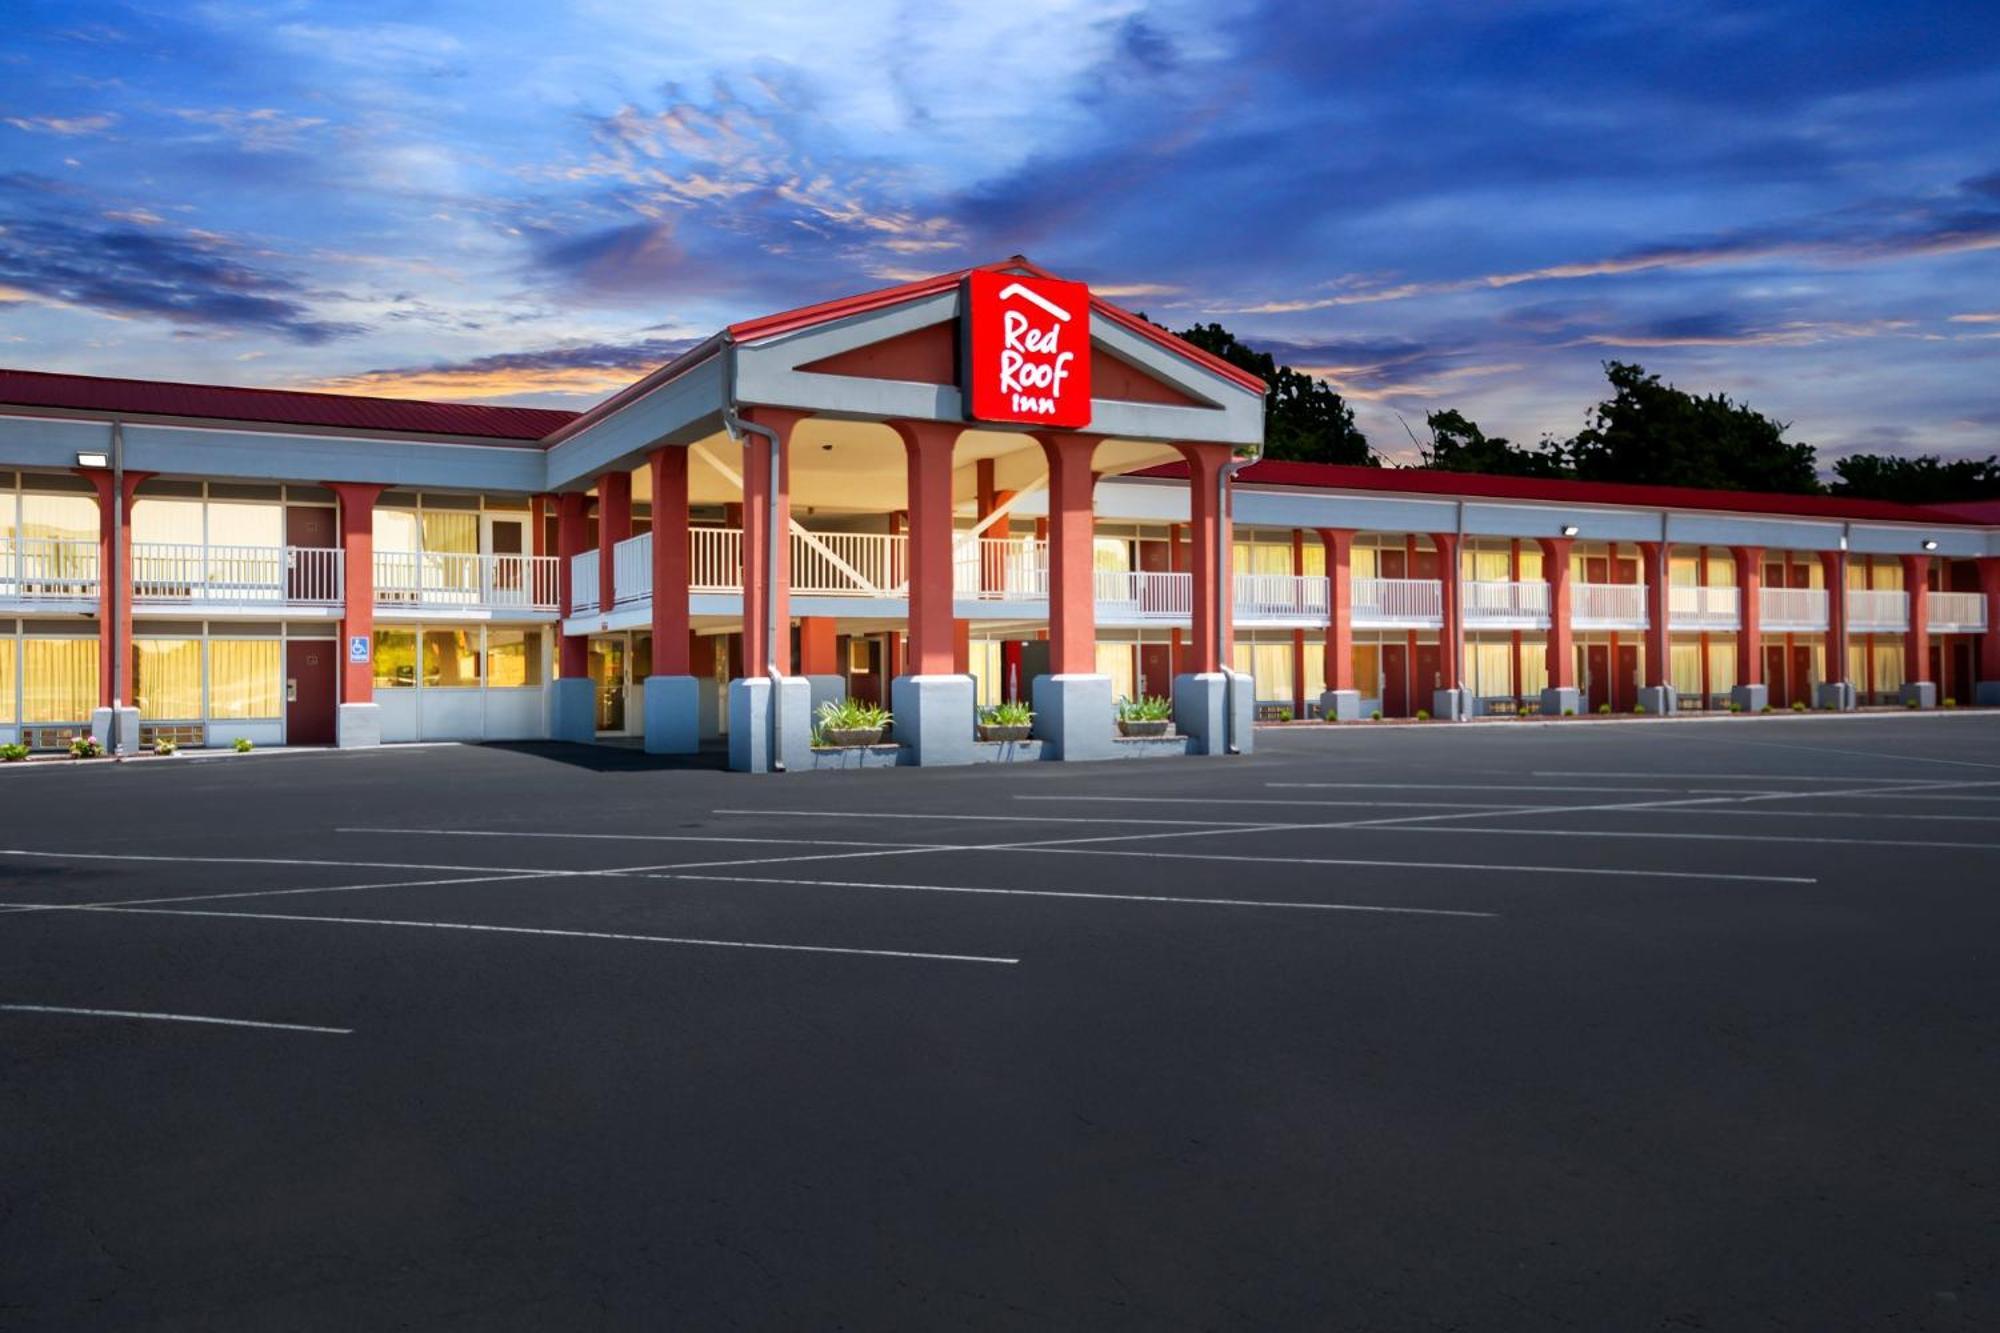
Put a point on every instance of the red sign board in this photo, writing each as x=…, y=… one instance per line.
x=1027, y=350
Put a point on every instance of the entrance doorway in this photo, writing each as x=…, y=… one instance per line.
x=611, y=673
x=507, y=542
x=309, y=677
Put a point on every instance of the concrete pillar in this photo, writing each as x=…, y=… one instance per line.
x=672, y=693
x=1751, y=693
x=1836, y=691
x=614, y=525
x=1214, y=704
x=1657, y=695
x=770, y=723
x=1072, y=704
x=573, y=698
x=357, y=719
x=1448, y=701
x=1561, y=696
x=1918, y=687
x=1341, y=701
x=1987, y=692
x=115, y=696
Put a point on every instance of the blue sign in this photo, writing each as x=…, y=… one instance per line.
x=357, y=649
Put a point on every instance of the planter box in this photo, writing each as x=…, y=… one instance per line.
x=996, y=732
x=848, y=737
x=1128, y=728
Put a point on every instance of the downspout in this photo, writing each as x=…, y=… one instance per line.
x=737, y=428
x=1462, y=706
x=1225, y=577
x=117, y=583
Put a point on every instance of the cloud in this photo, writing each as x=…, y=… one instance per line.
x=589, y=370
x=263, y=130
x=68, y=126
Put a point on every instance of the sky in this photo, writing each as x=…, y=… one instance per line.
x=1432, y=205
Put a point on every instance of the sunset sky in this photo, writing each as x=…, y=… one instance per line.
x=1463, y=205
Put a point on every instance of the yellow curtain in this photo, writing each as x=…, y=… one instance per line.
x=1684, y=667
x=1492, y=666
x=1110, y=553
x=59, y=679
x=1315, y=666
x=1534, y=667
x=1115, y=660
x=177, y=521
x=246, y=678
x=1888, y=667
x=69, y=517
x=1721, y=665
x=166, y=679
x=8, y=650
x=246, y=525
x=451, y=531
x=1367, y=668
x=396, y=530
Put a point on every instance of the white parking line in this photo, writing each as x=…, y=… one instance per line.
x=319, y=888
x=1445, y=786
x=172, y=1018
x=1704, y=809
x=1813, y=840
x=998, y=819
x=619, y=837
x=1751, y=777
x=1612, y=872
x=261, y=861
x=1267, y=800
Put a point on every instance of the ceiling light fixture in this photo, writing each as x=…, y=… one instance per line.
x=93, y=460
x=1569, y=529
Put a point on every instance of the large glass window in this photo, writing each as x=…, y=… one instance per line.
x=513, y=658
x=9, y=649
x=1534, y=667
x=986, y=670
x=58, y=679
x=1888, y=666
x=1684, y=668
x=1110, y=553
x=246, y=678
x=1364, y=562
x=1368, y=668
x=1491, y=663
x=1115, y=660
x=1315, y=666
x=449, y=531
x=1270, y=667
x=1721, y=666
x=1531, y=562
x=59, y=517
x=246, y=525
x=396, y=530
x=451, y=657
x=174, y=521
x=166, y=679
x=395, y=658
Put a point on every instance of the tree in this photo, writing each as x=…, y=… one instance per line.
x=1458, y=445
x=1925, y=480
x=1655, y=434
x=1305, y=419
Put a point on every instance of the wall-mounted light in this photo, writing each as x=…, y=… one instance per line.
x=1930, y=545
x=1843, y=543
x=93, y=460
x=1569, y=529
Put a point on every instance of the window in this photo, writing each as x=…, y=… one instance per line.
x=446, y=531
x=1364, y=563
x=59, y=679
x=1315, y=666
x=8, y=650
x=1486, y=565
x=1534, y=667
x=1115, y=660
x=1315, y=558
x=1888, y=666
x=175, y=521
x=1110, y=553
x=1531, y=563
x=986, y=670
x=1721, y=666
x=166, y=679
x=246, y=525
x=246, y=678
x=1684, y=668
x=1683, y=571
x=60, y=517
x=513, y=658
x=395, y=658
x=451, y=657
x=396, y=530
x=1491, y=664
x=1721, y=570
x=1270, y=667
x=1368, y=668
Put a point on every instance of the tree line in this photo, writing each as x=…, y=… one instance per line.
x=1646, y=432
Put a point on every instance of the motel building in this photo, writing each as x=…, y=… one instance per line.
x=985, y=486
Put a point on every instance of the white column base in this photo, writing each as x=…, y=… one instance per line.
x=1451, y=705
x=1835, y=695
x=1921, y=693
x=1660, y=700
x=826, y=689
x=128, y=729
x=1560, y=700
x=574, y=701
x=770, y=729
x=673, y=714
x=1751, y=698
x=1073, y=716
x=1340, y=706
x=1203, y=706
x=357, y=726
x=935, y=718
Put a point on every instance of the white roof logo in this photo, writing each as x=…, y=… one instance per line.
x=1014, y=289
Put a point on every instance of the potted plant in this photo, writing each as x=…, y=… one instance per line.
x=851, y=722
x=1148, y=715
x=1009, y=721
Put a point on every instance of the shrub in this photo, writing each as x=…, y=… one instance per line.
x=86, y=747
x=163, y=746
x=1146, y=708
x=1798, y=705
x=851, y=714
x=1765, y=709
x=1423, y=715
x=1909, y=703
x=1012, y=713
x=1569, y=712
x=1638, y=708
x=242, y=745
x=1605, y=709
x=13, y=754
x=1375, y=716
x=1949, y=702
x=1285, y=714
x=1735, y=707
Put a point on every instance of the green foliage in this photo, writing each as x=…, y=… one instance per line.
x=1284, y=715
x=1949, y=702
x=13, y=754
x=1798, y=706
x=1917, y=481
x=1655, y=434
x=1569, y=712
x=1458, y=445
x=86, y=747
x=1604, y=709
x=1910, y=704
x=1735, y=707
x=851, y=714
x=1423, y=715
x=242, y=745
x=1375, y=716
x=1304, y=418
x=1146, y=708
x=163, y=746
x=1012, y=713
x=1639, y=709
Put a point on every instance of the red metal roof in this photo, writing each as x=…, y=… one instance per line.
x=1978, y=511
x=157, y=398
x=1475, y=485
x=805, y=317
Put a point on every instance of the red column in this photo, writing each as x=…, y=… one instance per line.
x=1448, y=635
x=1298, y=635
x=114, y=600
x=1989, y=642
x=1833, y=572
x=1072, y=564
x=1917, y=643
x=614, y=525
x=672, y=646
x=1750, y=613
x=1208, y=533
x=767, y=588
x=1177, y=562
x=572, y=537
x=1339, y=665
x=1654, y=557
x=819, y=646
x=1562, y=645
x=357, y=559
x=927, y=447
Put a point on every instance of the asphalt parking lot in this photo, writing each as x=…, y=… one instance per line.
x=1588, y=1026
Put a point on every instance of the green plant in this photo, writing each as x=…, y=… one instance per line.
x=1604, y=709
x=1798, y=705
x=1765, y=709
x=1012, y=713
x=1375, y=716
x=1569, y=712
x=1949, y=702
x=13, y=754
x=1423, y=715
x=1638, y=708
x=1909, y=703
x=1146, y=708
x=242, y=745
x=1735, y=707
x=1285, y=714
x=163, y=746
x=851, y=714
x=86, y=747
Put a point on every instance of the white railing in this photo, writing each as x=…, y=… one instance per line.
x=715, y=559
x=1397, y=601
x=1000, y=569
x=1607, y=605
x=632, y=570
x=1954, y=611
x=1873, y=609
x=1702, y=608
x=467, y=582
x=583, y=595
x=1138, y=594
x=1792, y=608
x=241, y=575
x=1498, y=601
x=48, y=569
x=850, y=564
x=1281, y=597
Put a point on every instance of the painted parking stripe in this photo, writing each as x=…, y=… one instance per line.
x=1615, y=872
x=1809, y=839
x=1449, y=786
x=621, y=837
x=1703, y=811
x=317, y=888
x=262, y=861
x=1755, y=777
x=172, y=1018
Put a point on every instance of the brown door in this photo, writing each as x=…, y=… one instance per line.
x=309, y=677
x=1597, y=665
x=1426, y=677
x=1775, y=680
x=1625, y=684
x=509, y=540
x=310, y=577
x=1156, y=669
x=1395, y=680
x=1801, y=691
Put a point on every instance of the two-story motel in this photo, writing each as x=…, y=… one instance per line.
x=987, y=485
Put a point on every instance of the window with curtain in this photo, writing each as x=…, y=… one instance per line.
x=1115, y=660
x=450, y=531
x=1368, y=668
x=513, y=658
x=1721, y=665
x=1888, y=666
x=1110, y=553
x=63, y=517
x=395, y=658
x=1683, y=571
x=9, y=650
x=246, y=678
x=1364, y=562
x=1315, y=556
x=396, y=530
x=246, y=524
x=1684, y=668
x=58, y=679
x=1492, y=666
x=1857, y=667
x=1271, y=670
x=1488, y=565
x=161, y=520
x=1315, y=664
x=986, y=670
x=1888, y=574
x=451, y=658
x=166, y=679
x=1534, y=667
x=1721, y=570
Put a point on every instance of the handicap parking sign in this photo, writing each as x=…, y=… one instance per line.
x=357, y=649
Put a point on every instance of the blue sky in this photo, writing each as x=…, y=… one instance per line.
x=1434, y=205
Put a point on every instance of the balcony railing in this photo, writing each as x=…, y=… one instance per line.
x=1144, y=595
x=583, y=594
x=1955, y=612
x=1607, y=605
x=1792, y=608
x=1281, y=597
x=1505, y=603
x=715, y=560
x=48, y=569
x=1000, y=569
x=1877, y=610
x=1414, y=602
x=1702, y=608
x=190, y=572
x=466, y=582
x=632, y=570
x=850, y=564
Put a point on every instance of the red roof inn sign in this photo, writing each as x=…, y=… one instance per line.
x=1027, y=349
